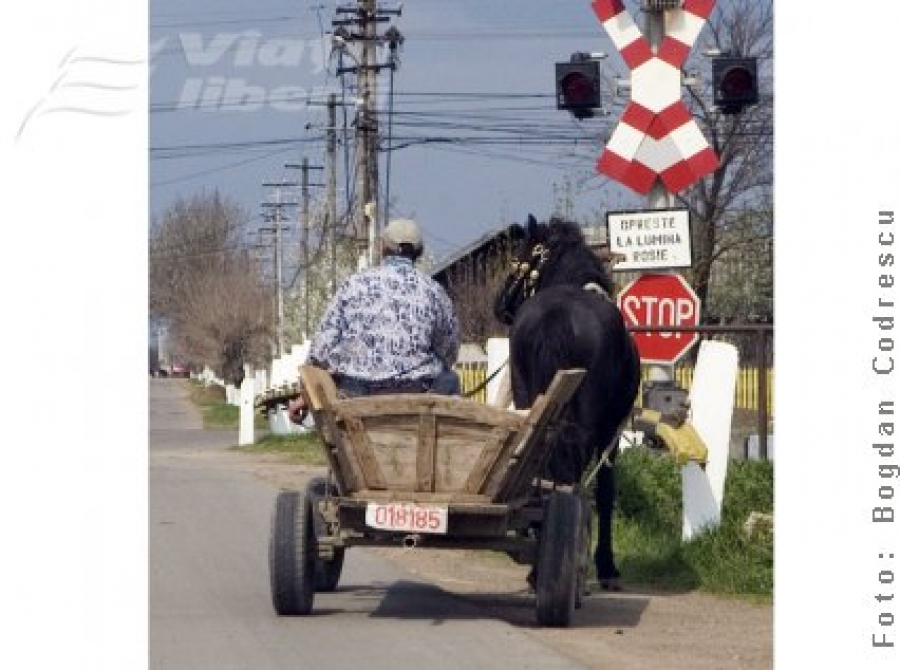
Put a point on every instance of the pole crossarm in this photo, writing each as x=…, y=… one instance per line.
x=354, y=69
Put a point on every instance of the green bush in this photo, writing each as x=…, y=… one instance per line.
x=648, y=523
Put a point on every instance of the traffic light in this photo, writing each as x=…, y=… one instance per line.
x=578, y=87
x=735, y=84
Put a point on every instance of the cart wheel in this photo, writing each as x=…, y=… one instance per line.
x=292, y=554
x=328, y=573
x=558, y=559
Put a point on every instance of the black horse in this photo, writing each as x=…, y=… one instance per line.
x=558, y=301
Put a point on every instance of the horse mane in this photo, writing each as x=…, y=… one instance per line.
x=571, y=260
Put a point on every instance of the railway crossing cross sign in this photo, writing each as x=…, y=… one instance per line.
x=656, y=135
x=661, y=300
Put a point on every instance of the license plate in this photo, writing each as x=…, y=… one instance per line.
x=408, y=517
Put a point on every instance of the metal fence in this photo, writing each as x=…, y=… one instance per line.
x=746, y=392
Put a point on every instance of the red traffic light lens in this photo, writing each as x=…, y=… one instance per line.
x=578, y=89
x=737, y=82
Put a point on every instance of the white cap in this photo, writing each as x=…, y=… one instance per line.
x=402, y=231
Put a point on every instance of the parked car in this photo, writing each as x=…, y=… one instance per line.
x=179, y=370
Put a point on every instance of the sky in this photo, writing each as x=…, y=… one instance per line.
x=73, y=281
x=479, y=72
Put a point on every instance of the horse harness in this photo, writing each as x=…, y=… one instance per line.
x=529, y=274
x=596, y=288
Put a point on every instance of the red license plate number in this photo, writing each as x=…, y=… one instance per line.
x=408, y=517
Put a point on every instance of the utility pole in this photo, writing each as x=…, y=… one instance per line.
x=366, y=17
x=276, y=219
x=305, y=167
x=367, y=129
x=331, y=159
x=304, y=241
x=331, y=179
x=394, y=40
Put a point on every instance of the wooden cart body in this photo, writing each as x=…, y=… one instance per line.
x=431, y=447
x=477, y=463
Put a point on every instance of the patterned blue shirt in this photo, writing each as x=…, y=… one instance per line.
x=389, y=322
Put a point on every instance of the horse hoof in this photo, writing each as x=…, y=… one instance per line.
x=610, y=584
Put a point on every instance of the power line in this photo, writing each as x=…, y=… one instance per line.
x=246, y=144
x=221, y=168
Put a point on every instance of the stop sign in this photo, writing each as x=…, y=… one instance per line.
x=661, y=300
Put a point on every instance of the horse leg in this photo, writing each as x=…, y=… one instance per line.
x=605, y=495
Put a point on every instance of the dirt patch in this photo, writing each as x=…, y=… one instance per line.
x=629, y=630
x=283, y=473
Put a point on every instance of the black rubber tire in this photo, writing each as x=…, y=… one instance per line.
x=292, y=555
x=557, y=568
x=328, y=573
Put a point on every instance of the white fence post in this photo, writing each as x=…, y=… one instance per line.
x=711, y=411
x=246, y=433
x=497, y=355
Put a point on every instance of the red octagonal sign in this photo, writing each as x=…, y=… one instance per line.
x=661, y=300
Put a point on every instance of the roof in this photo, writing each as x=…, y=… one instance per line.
x=467, y=250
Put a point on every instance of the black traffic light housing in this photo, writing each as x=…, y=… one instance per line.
x=735, y=83
x=578, y=86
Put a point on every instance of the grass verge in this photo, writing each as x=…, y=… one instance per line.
x=216, y=412
x=211, y=402
x=724, y=560
x=303, y=448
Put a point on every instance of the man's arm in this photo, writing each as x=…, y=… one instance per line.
x=446, y=333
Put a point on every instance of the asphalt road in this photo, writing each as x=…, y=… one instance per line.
x=209, y=590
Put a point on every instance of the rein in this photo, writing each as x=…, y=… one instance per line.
x=483, y=385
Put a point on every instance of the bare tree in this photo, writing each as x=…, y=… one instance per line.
x=194, y=236
x=206, y=287
x=225, y=318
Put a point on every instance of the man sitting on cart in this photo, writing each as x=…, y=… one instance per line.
x=390, y=328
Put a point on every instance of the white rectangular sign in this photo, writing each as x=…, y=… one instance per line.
x=650, y=240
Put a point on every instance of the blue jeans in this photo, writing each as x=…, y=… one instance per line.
x=446, y=383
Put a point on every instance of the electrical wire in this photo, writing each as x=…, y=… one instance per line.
x=220, y=168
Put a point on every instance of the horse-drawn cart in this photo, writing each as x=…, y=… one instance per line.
x=427, y=470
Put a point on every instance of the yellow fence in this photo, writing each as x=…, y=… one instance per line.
x=472, y=376
x=746, y=394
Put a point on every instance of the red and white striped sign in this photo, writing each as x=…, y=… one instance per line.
x=656, y=136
